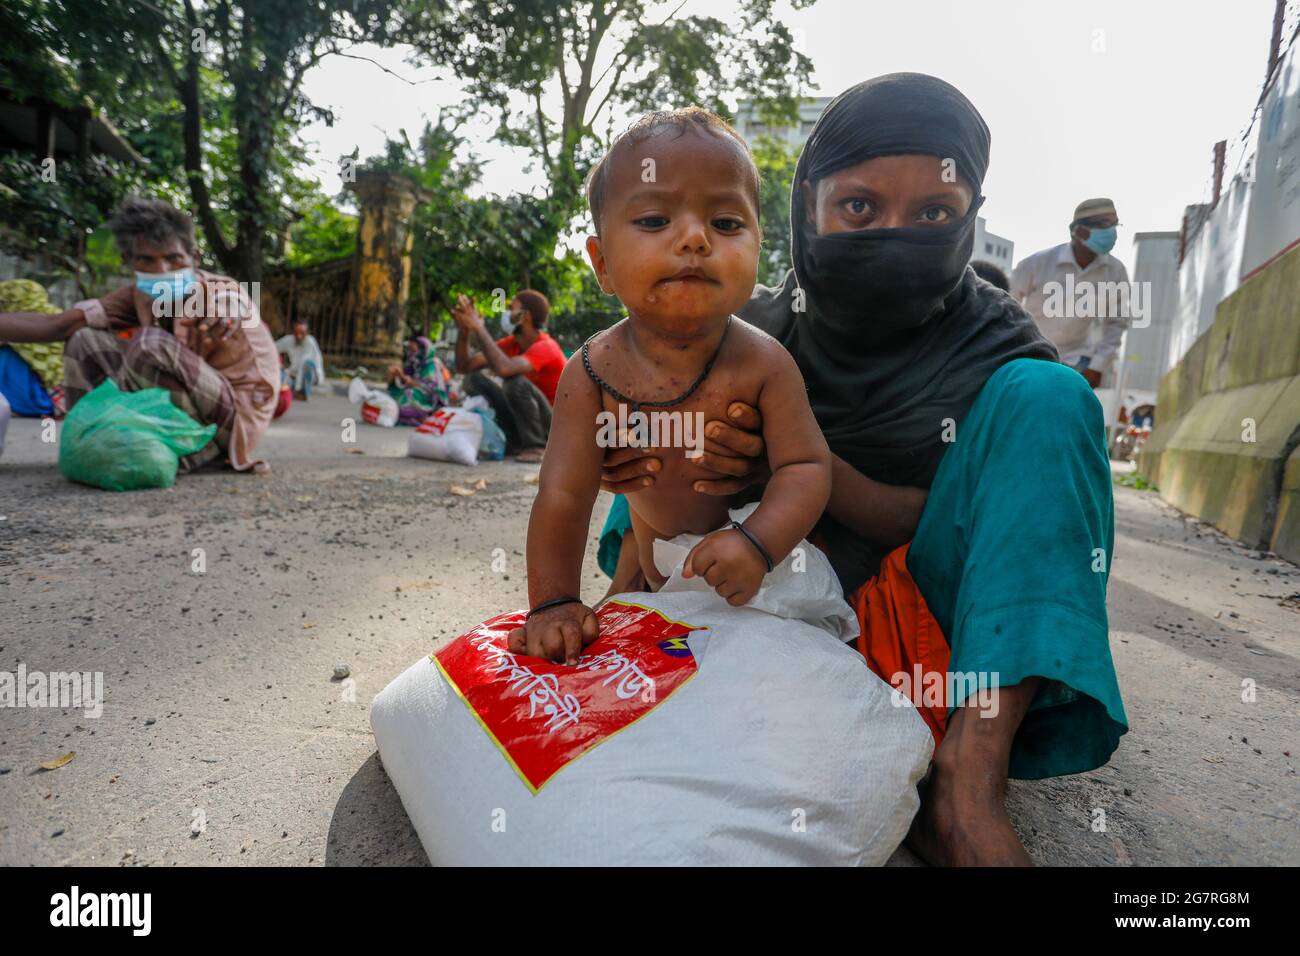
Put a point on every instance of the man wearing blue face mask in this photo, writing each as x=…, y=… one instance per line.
x=1078, y=293
x=176, y=326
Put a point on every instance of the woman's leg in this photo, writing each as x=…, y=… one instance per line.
x=618, y=523
x=1012, y=555
x=963, y=817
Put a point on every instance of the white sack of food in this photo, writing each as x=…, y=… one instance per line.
x=783, y=748
x=377, y=408
x=449, y=434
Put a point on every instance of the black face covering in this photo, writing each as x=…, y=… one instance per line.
x=904, y=274
x=893, y=333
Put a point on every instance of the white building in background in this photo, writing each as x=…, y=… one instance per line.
x=1143, y=356
x=991, y=247
x=749, y=126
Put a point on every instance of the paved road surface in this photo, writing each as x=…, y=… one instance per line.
x=220, y=704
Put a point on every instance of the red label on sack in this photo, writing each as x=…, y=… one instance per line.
x=542, y=714
x=436, y=423
x=370, y=413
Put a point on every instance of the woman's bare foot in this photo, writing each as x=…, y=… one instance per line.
x=963, y=819
x=530, y=456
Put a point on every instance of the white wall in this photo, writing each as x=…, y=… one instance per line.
x=1144, y=353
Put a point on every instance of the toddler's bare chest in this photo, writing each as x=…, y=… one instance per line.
x=674, y=434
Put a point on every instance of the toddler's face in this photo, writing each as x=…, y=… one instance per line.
x=680, y=235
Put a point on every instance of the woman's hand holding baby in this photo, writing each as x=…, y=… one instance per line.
x=729, y=563
x=559, y=633
x=733, y=449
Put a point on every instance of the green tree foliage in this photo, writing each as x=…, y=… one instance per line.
x=776, y=160
x=601, y=57
x=48, y=212
x=210, y=88
x=323, y=233
x=463, y=243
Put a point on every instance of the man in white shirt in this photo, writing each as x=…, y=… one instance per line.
x=1071, y=288
x=306, y=366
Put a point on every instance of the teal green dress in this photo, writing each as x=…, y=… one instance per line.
x=1012, y=555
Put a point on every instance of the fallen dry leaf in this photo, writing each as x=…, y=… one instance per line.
x=480, y=484
x=1215, y=759
x=463, y=492
x=356, y=451
x=305, y=626
x=58, y=762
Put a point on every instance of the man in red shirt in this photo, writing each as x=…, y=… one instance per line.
x=528, y=362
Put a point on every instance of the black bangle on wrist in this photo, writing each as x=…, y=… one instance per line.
x=767, y=558
x=553, y=602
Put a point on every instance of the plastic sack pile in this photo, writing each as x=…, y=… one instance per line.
x=449, y=434
x=690, y=733
x=493, y=445
x=377, y=407
x=463, y=434
x=124, y=441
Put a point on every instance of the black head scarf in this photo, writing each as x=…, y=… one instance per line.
x=893, y=332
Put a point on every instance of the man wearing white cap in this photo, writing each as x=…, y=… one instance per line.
x=1072, y=287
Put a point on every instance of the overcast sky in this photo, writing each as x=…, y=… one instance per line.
x=1114, y=98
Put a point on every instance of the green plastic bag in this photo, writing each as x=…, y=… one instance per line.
x=122, y=441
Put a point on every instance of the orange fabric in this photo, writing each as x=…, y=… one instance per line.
x=899, y=633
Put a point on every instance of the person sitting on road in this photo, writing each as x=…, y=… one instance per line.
x=420, y=385
x=528, y=362
x=306, y=366
x=195, y=333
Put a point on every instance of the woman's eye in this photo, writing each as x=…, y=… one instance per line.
x=857, y=207
x=651, y=222
x=728, y=225
x=933, y=215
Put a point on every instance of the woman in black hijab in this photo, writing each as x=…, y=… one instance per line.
x=971, y=520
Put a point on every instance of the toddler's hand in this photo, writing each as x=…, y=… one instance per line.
x=730, y=563
x=558, y=633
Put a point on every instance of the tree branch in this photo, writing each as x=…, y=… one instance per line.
x=602, y=20
x=618, y=75
x=541, y=130
x=565, y=91
x=335, y=51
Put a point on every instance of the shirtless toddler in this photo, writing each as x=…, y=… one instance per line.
x=675, y=207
